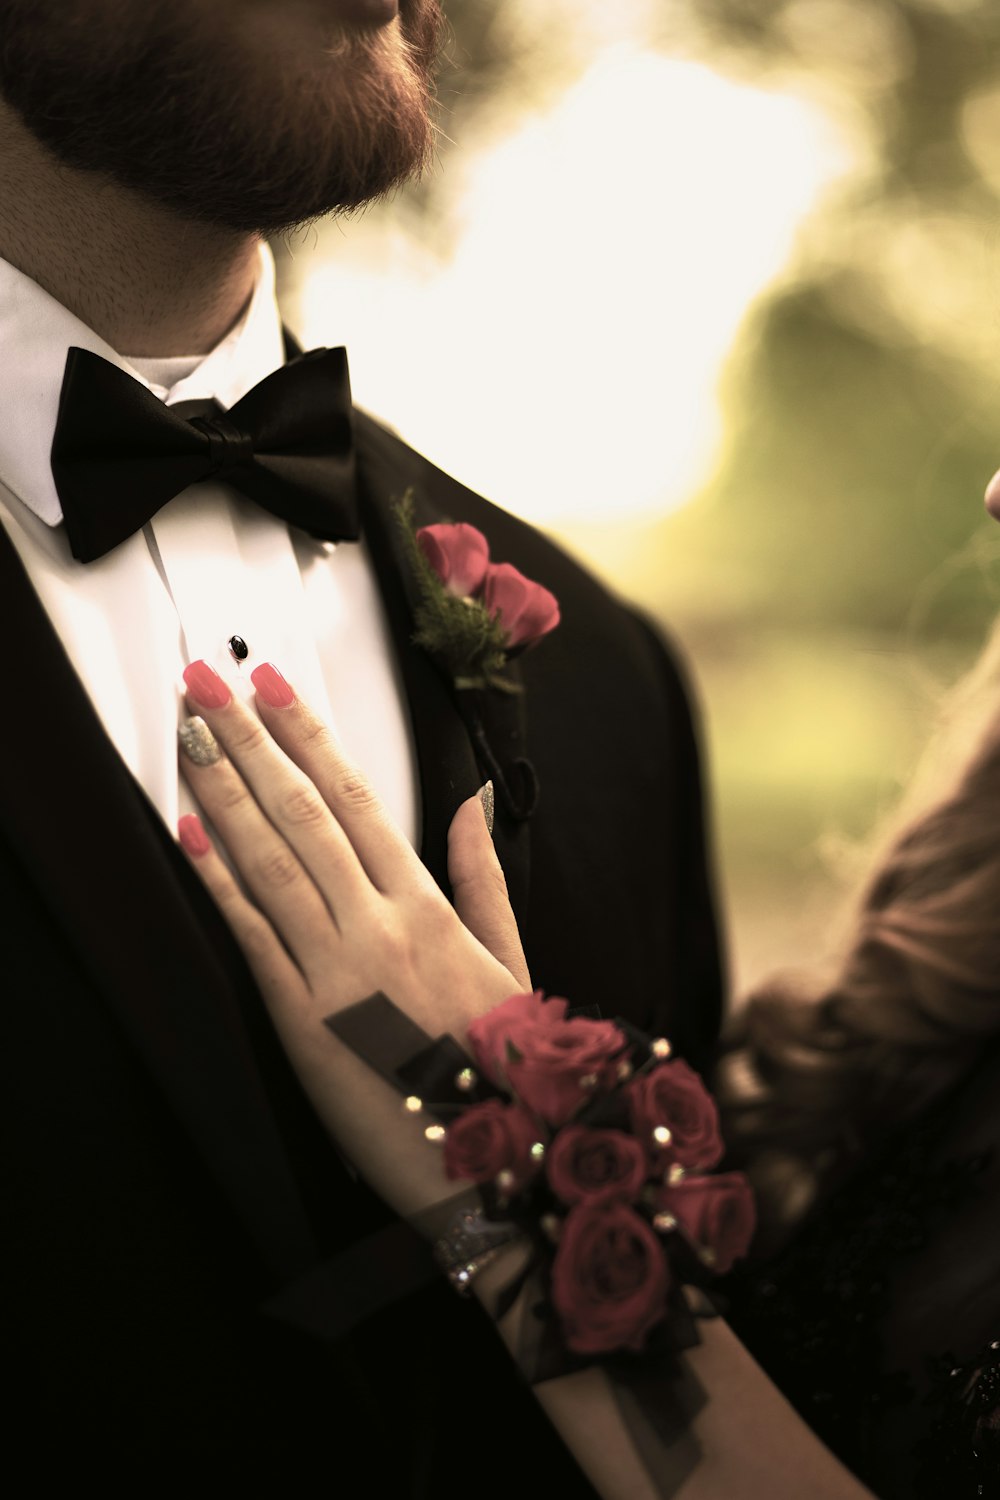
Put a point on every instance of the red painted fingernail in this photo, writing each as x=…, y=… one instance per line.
x=194, y=839
x=206, y=686
x=271, y=686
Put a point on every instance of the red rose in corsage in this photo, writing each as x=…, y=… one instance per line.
x=716, y=1214
x=675, y=1117
x=491, y=1138
x=550, y=1063
x=594, y=1166
x=610, y=1279
x=473, y=614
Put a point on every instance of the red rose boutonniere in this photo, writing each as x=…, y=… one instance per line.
x=474, y=615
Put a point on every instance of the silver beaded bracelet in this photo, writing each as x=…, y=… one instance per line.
x=469, y=1244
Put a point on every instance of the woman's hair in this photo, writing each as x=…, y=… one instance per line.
x=814, y=1073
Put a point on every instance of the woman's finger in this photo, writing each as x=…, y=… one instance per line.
x=277, y=880
x=276, y=974
x=387, y=856
x=285, y=991
x=480, y=889
x=292, y=805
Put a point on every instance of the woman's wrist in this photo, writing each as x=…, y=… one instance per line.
x=508, y=1264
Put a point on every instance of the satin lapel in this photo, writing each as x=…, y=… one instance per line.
x=447, y=763
x=502, y=717
x=139, y=921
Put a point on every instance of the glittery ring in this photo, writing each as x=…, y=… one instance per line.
x=469, y=1244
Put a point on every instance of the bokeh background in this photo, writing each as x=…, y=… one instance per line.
x=710, y=290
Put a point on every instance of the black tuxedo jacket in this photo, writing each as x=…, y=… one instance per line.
x=164, y=1176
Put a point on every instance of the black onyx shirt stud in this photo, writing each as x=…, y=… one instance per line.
x=238, y=647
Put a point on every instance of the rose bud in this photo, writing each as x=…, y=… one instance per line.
x=527, y=611
x=609, y=1278
x=593, y=1166
x=458, y=554
x=489, y=1032
x=553, y=1065
x=673, y=1098
x=716, y=1214
x=488, y=1139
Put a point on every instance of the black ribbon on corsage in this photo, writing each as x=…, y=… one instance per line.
x=656, y=1393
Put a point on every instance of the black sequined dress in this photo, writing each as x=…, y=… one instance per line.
x=881, y=1320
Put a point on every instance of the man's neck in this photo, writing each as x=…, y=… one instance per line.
x=149, y=283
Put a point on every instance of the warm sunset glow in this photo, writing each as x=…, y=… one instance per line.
x=564, y=360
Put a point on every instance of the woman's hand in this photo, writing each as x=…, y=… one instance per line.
x=339, y=904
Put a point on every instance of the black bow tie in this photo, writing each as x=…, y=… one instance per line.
x=119, y=454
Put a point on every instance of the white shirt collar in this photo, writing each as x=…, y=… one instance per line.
x=36, y=333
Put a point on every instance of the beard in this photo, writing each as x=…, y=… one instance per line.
x=249, y=115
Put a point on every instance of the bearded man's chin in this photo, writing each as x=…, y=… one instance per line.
x=246, y=136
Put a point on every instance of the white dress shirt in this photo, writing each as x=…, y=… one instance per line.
x=209, y=565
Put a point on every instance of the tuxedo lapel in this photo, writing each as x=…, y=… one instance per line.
x=139, y=921
x=449, y=768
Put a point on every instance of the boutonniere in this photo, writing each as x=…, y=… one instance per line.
x=473, y=615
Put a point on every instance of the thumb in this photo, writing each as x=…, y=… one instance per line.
x=480, y=889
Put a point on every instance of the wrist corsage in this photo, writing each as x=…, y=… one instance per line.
x=600, y=1146
x=592, y=1144
x=593, y=1141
